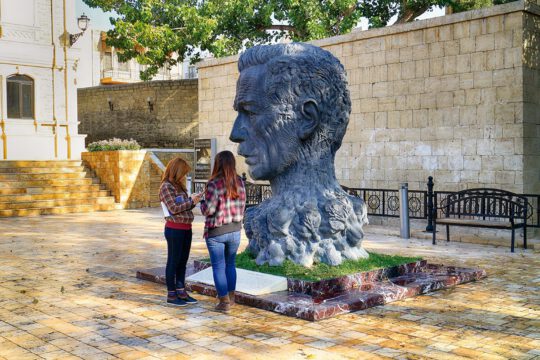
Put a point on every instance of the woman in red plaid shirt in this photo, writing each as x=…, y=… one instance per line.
x=173, y=193
x=223, y=206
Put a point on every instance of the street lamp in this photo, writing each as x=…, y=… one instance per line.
x=82, y=23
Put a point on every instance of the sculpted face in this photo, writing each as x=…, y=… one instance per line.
x=266, y=132
x=293, y=109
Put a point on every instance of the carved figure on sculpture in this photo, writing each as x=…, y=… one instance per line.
x=293, y=109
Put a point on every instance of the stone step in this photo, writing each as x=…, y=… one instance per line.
x=41, y=170
x=52, y=189
x=46, y=183
x=43, y=176
x=11, y=191
x=58, y=210
x=53, y=196
x=39, y=163
x=44, y=204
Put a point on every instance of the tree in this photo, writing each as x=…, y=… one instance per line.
x=165, y=32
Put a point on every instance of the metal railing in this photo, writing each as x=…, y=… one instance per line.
x=117, y=74
x=533, y=212
x=255, y=193
x=385, y=202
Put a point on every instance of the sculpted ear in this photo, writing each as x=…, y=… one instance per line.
x=310, y=119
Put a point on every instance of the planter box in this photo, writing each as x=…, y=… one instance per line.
x=126, y=173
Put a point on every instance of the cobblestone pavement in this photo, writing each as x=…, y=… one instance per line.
x=68, y=290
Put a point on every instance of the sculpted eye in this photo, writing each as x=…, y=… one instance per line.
x=248, y=112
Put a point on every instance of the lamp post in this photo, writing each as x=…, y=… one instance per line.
x=82, y=23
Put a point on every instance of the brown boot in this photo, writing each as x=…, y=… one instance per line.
x=224, y=304
x=231, y=298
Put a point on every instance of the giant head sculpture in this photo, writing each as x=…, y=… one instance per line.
x=293, y=109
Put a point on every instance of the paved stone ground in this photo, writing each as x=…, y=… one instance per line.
x=68, y=290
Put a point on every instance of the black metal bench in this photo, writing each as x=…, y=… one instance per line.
x=485, y=208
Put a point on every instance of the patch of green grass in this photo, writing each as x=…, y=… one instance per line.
x=322, y=271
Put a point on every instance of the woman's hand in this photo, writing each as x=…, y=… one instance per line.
x=196, y=198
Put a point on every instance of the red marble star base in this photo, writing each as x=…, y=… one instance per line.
x=317, y=300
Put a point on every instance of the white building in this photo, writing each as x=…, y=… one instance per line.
x=99, y=64
x=38, y=67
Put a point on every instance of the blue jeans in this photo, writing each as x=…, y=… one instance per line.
x=222, y=251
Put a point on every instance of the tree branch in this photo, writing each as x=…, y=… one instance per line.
x=409, y=14
x=347, y=12
x=279, y=27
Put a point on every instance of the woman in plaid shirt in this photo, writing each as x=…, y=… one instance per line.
x=223, y=206
x=173, y=194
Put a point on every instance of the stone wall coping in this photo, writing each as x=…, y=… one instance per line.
x=517, y=6
x=187, y=151
x=142, y=84
x=114, y=151
x=179, y=150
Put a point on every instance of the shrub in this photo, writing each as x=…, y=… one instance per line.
x=114, y=144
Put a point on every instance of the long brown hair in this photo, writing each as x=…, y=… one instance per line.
x=176, y=172
x=225, y=167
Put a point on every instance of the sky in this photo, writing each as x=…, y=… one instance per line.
x=100, y=20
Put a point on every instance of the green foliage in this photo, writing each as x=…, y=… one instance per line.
x=466, y=5
x=113, y=144
x=320, y=271
x=162, y=33
x=499, y=2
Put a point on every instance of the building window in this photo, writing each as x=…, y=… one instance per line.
x=123, y=66
x=192, y=72
x=107, y=61
x=20, y=97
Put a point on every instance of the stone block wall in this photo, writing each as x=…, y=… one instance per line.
x=165, y=157
x=454, y=97
x=172, y=123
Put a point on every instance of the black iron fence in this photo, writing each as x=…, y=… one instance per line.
x=533, y=212
x=255, y=193
x=385, y=202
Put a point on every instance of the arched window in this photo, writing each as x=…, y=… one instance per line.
x=20, y=97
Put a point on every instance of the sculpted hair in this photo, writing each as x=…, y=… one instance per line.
x=176, y=172
x=299, y=70
x=225, y=168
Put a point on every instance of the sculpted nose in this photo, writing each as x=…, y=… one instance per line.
x=238, y=133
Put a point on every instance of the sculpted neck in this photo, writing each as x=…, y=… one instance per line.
x=317, y=175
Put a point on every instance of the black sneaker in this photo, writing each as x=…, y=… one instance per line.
x=188, y=299
x=176, y=302
x=183, y=295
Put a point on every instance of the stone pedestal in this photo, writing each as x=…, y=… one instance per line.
x=317, y=300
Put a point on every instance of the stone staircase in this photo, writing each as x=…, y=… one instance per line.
x=50, y=187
